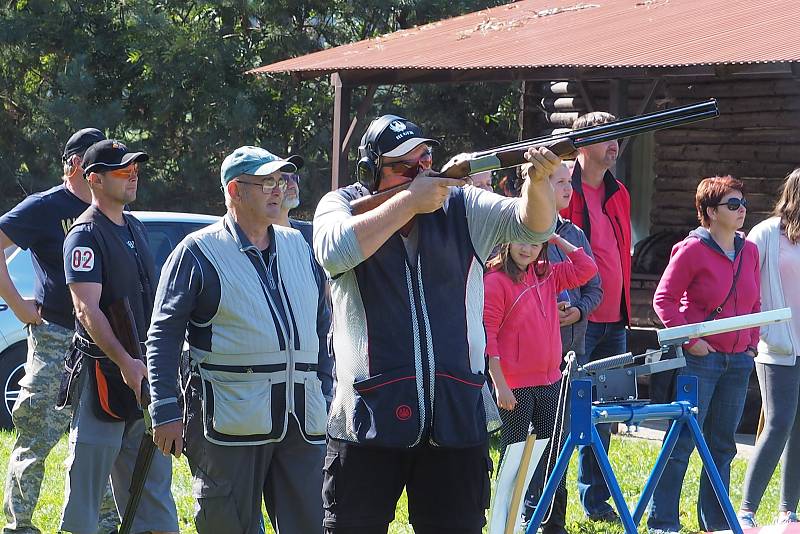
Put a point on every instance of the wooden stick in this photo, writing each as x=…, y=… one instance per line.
x=519, y=484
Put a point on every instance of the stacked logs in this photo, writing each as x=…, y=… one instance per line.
x=755, y=139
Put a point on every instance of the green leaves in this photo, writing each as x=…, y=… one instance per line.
x=168, y=77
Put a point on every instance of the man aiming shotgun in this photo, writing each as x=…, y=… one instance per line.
x=405, y=249
x=414, y=411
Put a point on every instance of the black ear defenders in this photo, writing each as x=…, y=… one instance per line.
x=368, y=167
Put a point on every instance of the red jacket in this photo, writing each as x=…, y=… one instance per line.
x=618, y=207
x=697, y=280
x=521, y=319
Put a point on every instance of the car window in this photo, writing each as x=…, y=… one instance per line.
x=164, y=237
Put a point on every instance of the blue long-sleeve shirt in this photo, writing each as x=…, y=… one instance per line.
x=189, y=294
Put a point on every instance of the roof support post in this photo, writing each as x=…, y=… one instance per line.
x=618, y=106
x=363, y=107
x=587, y=99
x=341, y=121
x=651, y=94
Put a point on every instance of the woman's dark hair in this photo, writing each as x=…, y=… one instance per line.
x=710, y=191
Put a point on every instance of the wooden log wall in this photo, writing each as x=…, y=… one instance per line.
x=756, y=139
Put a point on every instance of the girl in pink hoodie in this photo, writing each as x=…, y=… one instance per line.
x=524, y=339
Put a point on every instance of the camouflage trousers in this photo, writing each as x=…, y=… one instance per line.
x=39, y=427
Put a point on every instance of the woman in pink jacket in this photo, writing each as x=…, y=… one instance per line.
x=524, y=341
x=712, y=274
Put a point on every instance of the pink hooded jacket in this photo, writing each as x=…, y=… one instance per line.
x=697, y=280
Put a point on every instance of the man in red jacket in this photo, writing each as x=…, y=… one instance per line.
x=601, y=207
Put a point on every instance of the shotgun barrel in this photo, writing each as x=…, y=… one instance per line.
x=563, y=145
x=692, y=112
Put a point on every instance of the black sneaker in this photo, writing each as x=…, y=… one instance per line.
x=610, y=516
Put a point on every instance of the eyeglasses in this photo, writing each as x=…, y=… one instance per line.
x=411, y=168
x=291, y=176
x=734, y=204
x=125, y=173
x=268, y=184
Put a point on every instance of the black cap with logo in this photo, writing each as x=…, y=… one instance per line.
x=80, y=141
x=109, y=155
x=400, y=136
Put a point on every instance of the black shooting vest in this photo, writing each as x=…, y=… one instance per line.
x=121, y=276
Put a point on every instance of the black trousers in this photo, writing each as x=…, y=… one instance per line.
x=448, y=489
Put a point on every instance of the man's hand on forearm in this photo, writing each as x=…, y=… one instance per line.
x=24, y=309
x=426, y=194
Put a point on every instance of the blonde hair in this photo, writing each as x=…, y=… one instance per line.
x=788, y=206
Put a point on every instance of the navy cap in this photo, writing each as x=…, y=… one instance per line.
x=109, y=155
x=80, y=141
x=400, y=137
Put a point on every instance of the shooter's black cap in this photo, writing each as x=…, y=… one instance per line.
x=109, y=155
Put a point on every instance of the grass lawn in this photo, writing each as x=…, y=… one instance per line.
x=632, y=460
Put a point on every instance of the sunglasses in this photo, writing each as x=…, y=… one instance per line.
x=268, y=184
x=411, y=168
x=291, y=176
x=125, y=173
x=734, y=204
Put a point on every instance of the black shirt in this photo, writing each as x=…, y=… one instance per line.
x=40, y=223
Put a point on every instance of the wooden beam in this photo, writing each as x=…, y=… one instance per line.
x=411, y=74
x=618, y=105
x=651, y=94
x=359, y=117
x=587, y=99
x=341, y=113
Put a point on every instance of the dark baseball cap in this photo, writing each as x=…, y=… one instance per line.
x=109, y=155
x=80, y=141
x=399, y=137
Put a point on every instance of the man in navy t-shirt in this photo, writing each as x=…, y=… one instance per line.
x=39, y=223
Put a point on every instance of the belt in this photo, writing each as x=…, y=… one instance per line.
x=90, y=348
x=67, y=320
x=268, y=368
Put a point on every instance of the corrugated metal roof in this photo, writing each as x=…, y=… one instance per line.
x=566, y=33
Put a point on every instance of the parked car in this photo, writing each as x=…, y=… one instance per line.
x=164, y=231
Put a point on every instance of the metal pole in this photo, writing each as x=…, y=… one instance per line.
x=611, y=481
x=658, y=470
x=549, y=491
x=714, y=477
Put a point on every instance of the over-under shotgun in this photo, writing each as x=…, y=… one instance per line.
x=563, y=145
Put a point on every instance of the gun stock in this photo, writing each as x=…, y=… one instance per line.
x=563, y=145
x=120, y=317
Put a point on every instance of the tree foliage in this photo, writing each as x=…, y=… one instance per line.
x=169, y=77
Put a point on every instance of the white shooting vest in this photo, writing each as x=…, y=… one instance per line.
x=247, y=366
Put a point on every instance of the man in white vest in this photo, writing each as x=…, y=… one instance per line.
x=246, y=295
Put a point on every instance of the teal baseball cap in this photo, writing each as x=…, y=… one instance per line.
x=256, y=161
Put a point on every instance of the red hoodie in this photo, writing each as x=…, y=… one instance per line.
x=697, y=280
x=521, y=319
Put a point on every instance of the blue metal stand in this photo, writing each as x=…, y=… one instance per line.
x=584, y=417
